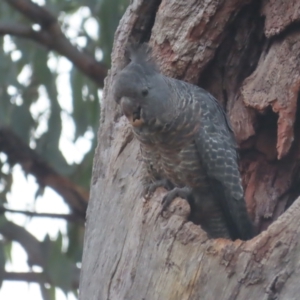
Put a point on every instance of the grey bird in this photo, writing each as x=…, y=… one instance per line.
x=187, y=145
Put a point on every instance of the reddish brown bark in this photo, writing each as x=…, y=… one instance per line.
x=245, y=53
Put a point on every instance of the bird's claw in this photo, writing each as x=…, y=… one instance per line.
x=150, y=188
x=171, y=195
x=149, y=191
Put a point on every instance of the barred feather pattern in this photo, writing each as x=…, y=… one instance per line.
x=188, y=140
x=198, y=149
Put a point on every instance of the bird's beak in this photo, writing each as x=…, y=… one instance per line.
x=132, y=112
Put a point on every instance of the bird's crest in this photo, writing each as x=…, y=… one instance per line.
x=141, y=54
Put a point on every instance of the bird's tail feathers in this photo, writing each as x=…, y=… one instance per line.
x=236, y=215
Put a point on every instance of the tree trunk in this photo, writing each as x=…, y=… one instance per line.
x=246, y=53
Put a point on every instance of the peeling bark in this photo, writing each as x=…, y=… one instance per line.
x=279, y=14
x=131, y=252
x=276, y=83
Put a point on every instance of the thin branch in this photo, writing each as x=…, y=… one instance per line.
x=24, y=276
x=35, y=251
x=34, y=12
x=36, y=277
x=67, y=217
x=24, y=31
x=30, y=243
x=19, y=152
x=53, y=38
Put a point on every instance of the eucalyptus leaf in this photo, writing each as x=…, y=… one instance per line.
x=59, y=268
x=2, y=261
x=48, y=293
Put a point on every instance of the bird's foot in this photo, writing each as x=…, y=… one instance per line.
x=184, y=193
x=151, y=187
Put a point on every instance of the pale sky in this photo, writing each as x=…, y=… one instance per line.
x=23, y=191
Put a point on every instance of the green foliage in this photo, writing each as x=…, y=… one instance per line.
x=48, y=292
x=6, y=181
x=5, y=252
x=29, y=74
x=75, y=237
x=59, y=268
x=7, y=246
x=2, y=261
x=108, y=13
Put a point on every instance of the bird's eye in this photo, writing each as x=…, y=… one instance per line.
x=145, y=92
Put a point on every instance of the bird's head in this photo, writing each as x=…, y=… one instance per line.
x=141, y=90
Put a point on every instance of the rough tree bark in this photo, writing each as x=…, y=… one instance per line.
x=246, y=53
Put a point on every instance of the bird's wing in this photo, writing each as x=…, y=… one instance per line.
x=217, y=150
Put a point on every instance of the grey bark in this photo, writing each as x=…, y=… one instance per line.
x=130, y=251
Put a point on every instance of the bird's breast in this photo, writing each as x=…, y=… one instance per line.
x=182, y=166
x=174, y=149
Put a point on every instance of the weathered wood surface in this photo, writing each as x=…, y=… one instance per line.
x=246, y=54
